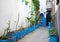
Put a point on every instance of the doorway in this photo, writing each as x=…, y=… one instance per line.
x=48, y=16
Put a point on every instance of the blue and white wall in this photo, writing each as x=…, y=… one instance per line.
x=9, y=10
x=43, y=6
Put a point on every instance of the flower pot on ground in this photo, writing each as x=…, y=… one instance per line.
x=54, y=39
x=50, y=24
x=53, y=35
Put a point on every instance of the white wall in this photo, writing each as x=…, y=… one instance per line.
x=56, y=6
x=9, y=10
x=23, y=9
x=43, y=6
x=48, y=4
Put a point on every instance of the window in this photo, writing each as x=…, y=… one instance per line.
x=57, y=2
x=48, y=0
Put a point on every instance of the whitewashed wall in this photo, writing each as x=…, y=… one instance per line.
x=9, y=10
x=24, y=12
x=43, y=6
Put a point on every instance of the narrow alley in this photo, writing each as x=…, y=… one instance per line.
x=39, y=35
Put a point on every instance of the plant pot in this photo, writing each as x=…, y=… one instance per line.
x=11, y=39
x=50, y=24
x=54, y=39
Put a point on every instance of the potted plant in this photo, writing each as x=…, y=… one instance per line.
x=28, y=19
x=50, y=23
x=5, y=38
x=53, y=35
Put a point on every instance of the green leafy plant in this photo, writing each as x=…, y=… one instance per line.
x=28, y=19
x=53, y=32
x=4, y=37
x=26, y=2
x=36, y=4
x=36, y=7
x=33, y=22
x=36, y=19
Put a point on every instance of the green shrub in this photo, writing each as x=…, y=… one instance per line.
x=4, y=36
x=53, y=32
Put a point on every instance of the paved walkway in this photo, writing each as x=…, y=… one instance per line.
x=39, y=35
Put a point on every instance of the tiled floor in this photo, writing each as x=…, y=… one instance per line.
x=39, y=35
